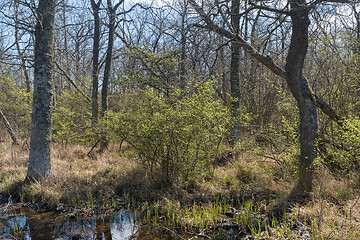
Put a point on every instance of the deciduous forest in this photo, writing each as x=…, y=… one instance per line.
x=179, y=119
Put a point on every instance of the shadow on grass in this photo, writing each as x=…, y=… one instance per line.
x=14, y=191
x=284, y=206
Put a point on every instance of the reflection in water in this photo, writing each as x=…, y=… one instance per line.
x=53, y=225
x=22, y=223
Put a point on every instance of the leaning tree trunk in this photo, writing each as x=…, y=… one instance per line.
x=302, y=93
x=39, y=157
x=234, y=72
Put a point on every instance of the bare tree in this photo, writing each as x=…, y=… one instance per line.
x=107, y=71
x=183, y=46
x=234, y=70
x=293, y=74
x=95, y=71
x=299, y=87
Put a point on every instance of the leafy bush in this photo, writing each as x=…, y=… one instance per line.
x=177, y=134
x=158, y=70
x=345, y=152
x=16, y=104
x=72, y=120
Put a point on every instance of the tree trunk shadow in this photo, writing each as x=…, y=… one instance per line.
x=285, y=205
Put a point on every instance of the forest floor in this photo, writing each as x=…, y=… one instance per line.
x=248, y=196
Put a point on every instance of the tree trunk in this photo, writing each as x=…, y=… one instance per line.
x=234, y=71
x=95, y=71
x=302, y=93
x=183, y=47
x=107, y=70
x=39, y=157
x=108, y=59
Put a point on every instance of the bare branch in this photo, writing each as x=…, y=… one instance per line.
x=72, y=82
x=280, y=11
x=264, y=59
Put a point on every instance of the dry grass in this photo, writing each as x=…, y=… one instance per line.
x=77, y=180
x=251, y=184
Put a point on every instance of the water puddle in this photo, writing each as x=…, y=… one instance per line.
x=19, y=222
x=26, y=224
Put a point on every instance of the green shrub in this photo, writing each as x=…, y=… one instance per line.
x=345, y=152
x=72, y=120
x=16, y=104
x=177, y=134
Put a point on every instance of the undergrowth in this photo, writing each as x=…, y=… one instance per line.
x=243, y=195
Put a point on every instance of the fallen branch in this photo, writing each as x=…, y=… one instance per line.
x=93, y=148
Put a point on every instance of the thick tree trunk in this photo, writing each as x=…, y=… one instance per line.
x=234, y=71
x=302, y=93
x=39, y=157
x=95, y=70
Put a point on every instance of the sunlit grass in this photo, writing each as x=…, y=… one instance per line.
x=77, y=180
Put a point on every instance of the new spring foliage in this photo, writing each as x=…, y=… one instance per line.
x=179, y=134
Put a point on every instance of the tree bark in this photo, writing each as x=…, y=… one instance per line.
x=39, y=158
x=108, y=60
x=183, y=47
x=302, y=93
x=95, y=70
x=234, y=71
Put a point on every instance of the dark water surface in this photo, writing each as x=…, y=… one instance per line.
x=22, y=223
